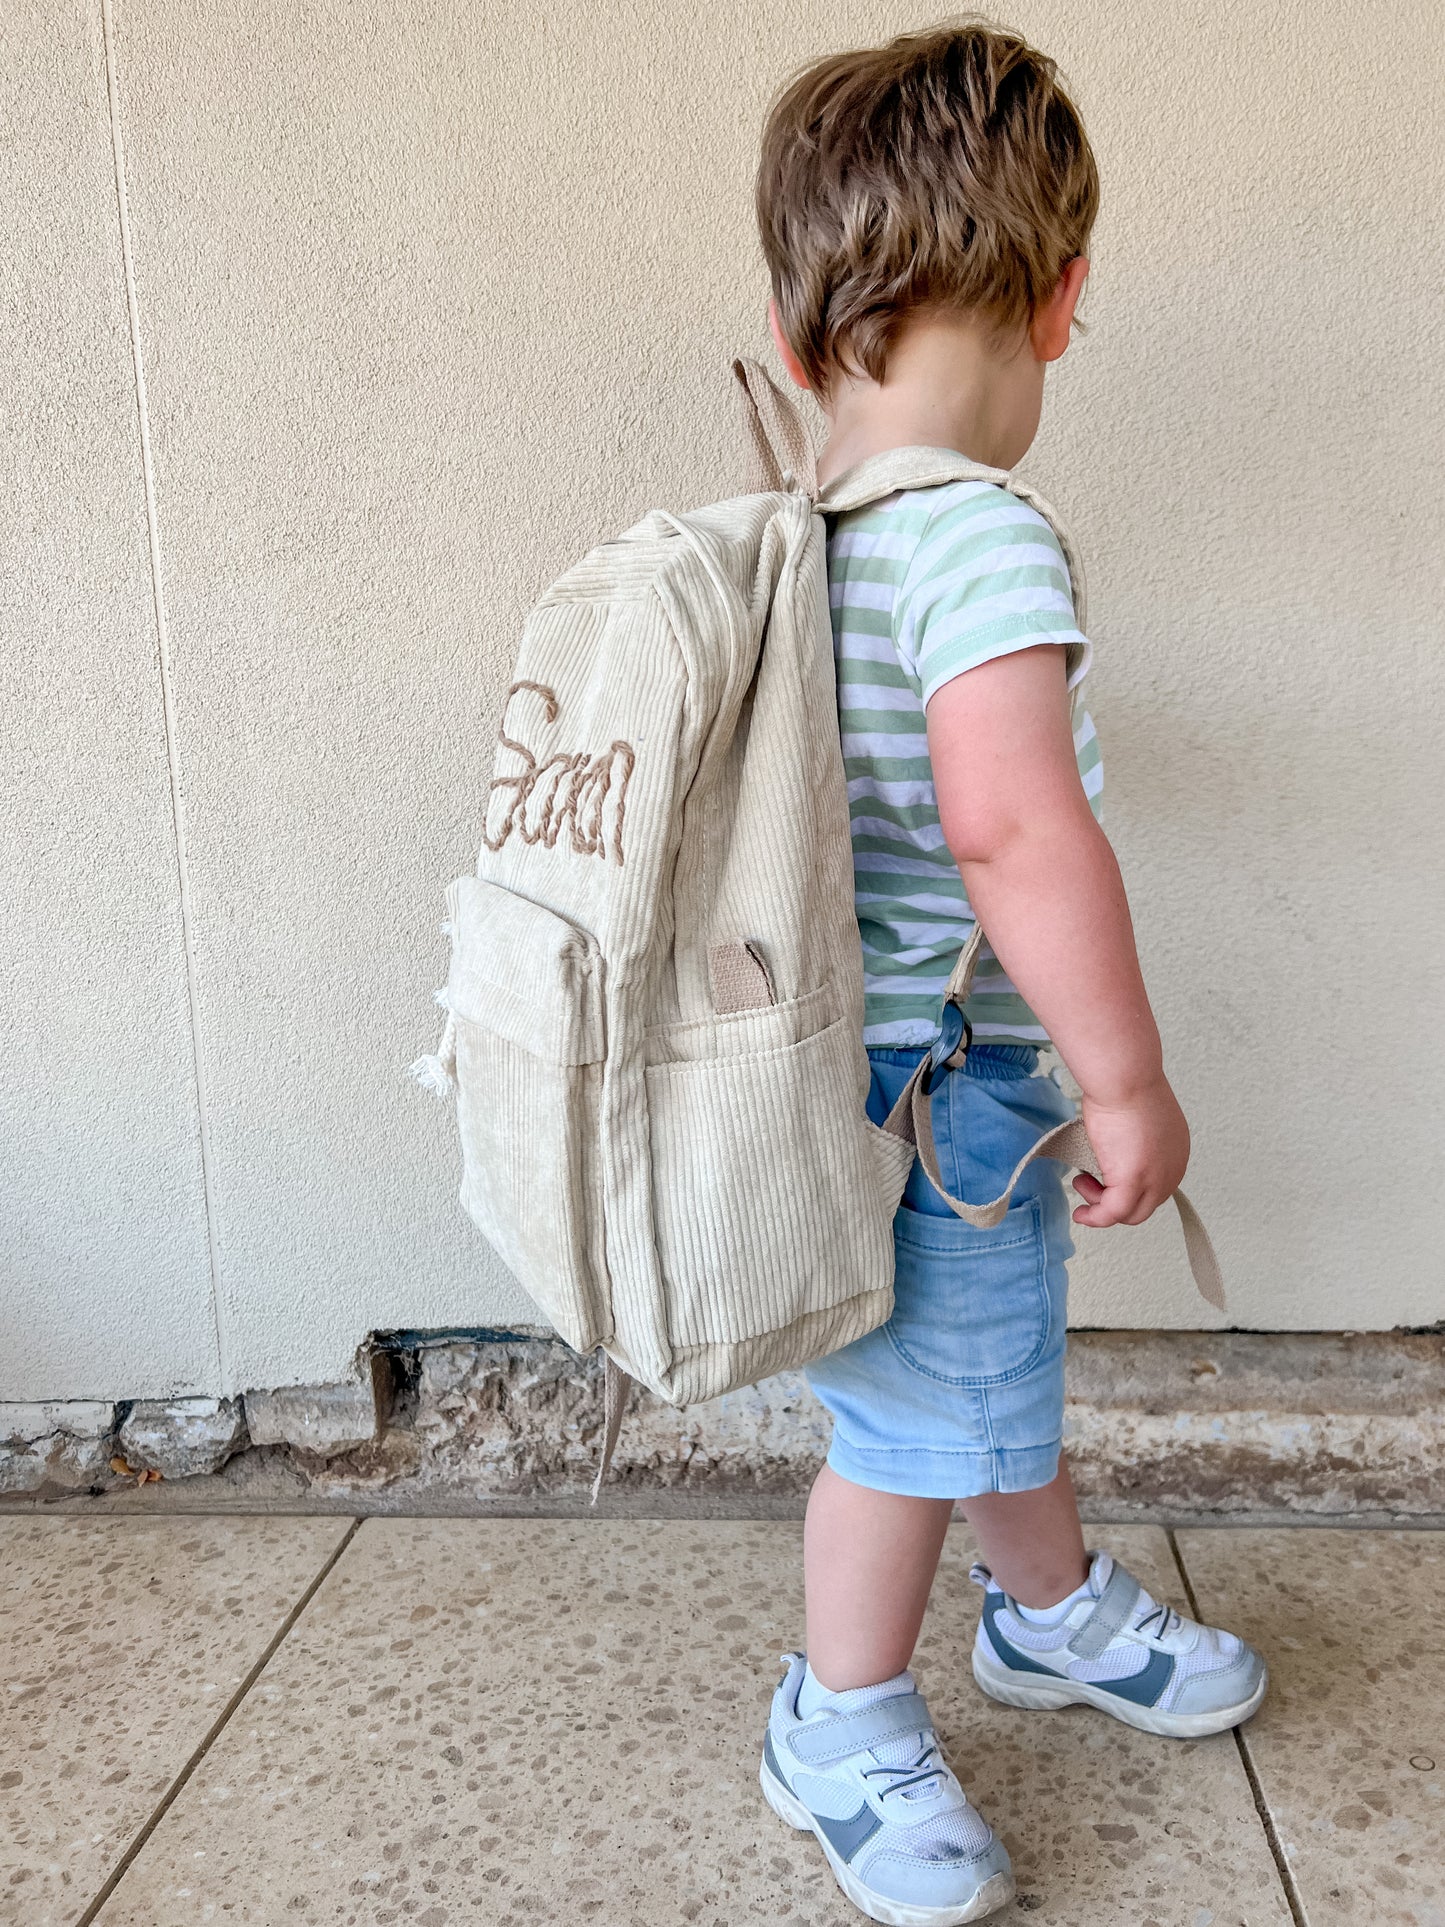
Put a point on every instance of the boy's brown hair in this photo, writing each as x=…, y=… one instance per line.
x=947, y=169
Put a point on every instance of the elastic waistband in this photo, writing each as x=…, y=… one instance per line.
x=983, y=1060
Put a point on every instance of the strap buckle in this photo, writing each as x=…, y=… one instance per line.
x=955, y=1039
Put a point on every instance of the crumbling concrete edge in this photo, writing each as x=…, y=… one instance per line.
x=1228, y=1427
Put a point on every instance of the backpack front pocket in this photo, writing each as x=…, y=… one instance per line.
x=773, y=1199
x=525, y=988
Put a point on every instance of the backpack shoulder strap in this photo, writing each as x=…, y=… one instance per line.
x=885, y=474
x=785, y=447
x=911, y=1122
x=882, y=475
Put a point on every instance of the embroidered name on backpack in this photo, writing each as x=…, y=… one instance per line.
x=574, y=793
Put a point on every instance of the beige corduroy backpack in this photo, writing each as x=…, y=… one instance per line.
x=655, y=1002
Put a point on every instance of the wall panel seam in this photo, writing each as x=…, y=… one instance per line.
x=168, y=705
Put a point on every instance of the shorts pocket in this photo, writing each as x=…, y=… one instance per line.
x=772, y=1196
x=971, y=1307
x=525, y=988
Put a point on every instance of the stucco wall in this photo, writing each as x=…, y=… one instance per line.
x=425, y=299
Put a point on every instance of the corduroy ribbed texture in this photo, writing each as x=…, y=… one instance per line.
x=694, y=1186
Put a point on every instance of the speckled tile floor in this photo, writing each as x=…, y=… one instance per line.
x=122, y=1642
x=1350, y=1746
x=503, y=1723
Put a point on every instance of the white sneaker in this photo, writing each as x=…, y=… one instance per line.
x=1112, y=1646
x=868, y=1779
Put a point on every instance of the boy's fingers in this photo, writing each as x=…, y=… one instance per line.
x=1114, y=1204
x=1147, y=1205
x=1088, y=1186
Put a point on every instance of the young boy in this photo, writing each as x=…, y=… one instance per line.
x=925, y=211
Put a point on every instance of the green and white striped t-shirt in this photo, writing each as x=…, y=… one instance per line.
x=925, y=586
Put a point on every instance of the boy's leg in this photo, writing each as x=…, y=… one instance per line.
x=1032, y=1542
x=869, y=1560
x=851, y=1753
x=851, y=1750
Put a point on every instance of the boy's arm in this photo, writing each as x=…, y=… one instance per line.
x=1044, y=883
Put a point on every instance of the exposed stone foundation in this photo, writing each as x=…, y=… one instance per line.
x=1158, y=1425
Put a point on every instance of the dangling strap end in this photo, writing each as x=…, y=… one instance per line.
x=616, y=1384
x=1203, y=1263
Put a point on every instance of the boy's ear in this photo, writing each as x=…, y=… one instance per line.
x=1050, y=328
x=785, y=354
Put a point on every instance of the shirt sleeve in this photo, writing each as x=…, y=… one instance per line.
x=987, y=579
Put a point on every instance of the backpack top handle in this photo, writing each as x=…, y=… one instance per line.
x=778, y=430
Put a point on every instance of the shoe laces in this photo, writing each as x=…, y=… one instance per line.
x=1156, y=1620
x=910, y=1777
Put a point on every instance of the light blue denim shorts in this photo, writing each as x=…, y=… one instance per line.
x=962, y=1391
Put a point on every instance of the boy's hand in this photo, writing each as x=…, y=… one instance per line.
x=1143, y=1149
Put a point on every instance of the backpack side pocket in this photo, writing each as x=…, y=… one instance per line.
x=525, y=987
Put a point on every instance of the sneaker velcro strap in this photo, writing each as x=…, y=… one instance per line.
x=834, y=1739
x=1109, y=1617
